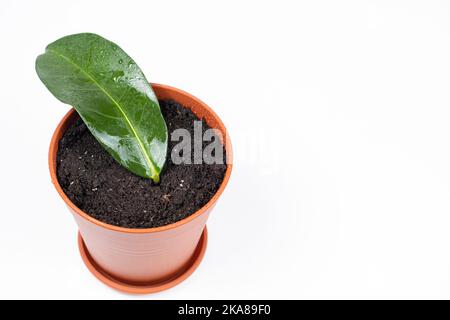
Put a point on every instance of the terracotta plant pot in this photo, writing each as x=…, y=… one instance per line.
x=144, y=260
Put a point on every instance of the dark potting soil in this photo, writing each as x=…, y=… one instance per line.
x=102, y=188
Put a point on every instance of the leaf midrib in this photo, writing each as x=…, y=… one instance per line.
x=141, y=145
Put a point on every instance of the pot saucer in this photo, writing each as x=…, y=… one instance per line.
x=144, y=288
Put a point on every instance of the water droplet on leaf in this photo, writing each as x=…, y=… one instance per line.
x=117, y=75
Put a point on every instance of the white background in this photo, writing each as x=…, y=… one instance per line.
x=339, y=115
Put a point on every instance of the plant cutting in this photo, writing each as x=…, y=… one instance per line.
x=121, y=160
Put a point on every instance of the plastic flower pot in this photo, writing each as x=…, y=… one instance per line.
x=144, y=260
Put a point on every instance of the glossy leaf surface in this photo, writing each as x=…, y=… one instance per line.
x=112, y=96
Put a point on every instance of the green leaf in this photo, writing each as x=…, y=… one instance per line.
x=111, y=95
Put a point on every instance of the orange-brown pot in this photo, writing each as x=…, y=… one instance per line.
x=144, y=260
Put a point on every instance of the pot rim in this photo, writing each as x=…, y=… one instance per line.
x=52, y=166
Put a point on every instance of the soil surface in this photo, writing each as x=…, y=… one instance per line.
x=102, y=188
